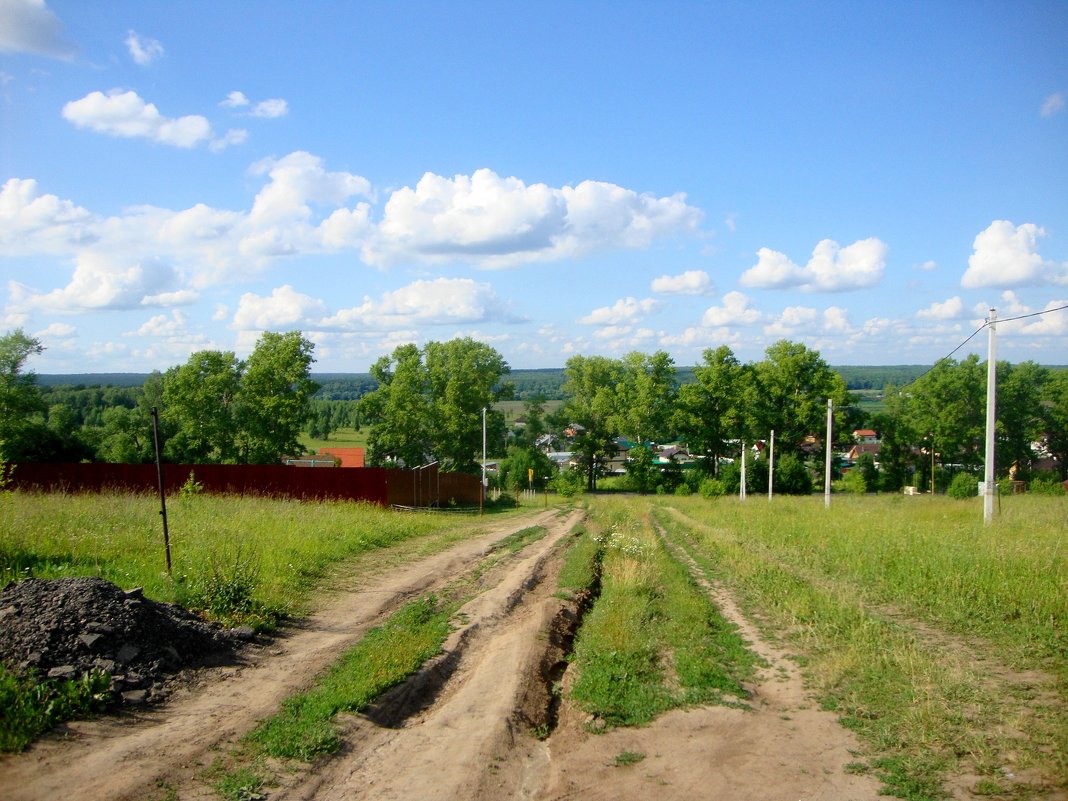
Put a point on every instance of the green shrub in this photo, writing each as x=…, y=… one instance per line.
x=1046, y=486
x=963, y=486
x=852, y=482
x=569, y=483
x=712, y=488
x=791, y=476
x=683, y=490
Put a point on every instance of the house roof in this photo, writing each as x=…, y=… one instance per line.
x=864, y=432
x=350, y=457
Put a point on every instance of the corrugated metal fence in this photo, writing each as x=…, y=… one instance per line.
x=384, y=486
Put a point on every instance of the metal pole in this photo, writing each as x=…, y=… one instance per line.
x=771, y=465
x=827, y=465
x=741, y=489
x=482, y=494
x=162, y=495
x=991, y=419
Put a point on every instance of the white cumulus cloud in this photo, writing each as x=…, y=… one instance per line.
x=270, y=109
x=831, y=268
x=623, y=311
x=503, y=222
x=98, y=283
x=285, y=307
x=143, y=50
x=29, y=26
x=735, y=310
x=125, y=114
x=952, y=309
x=691, y=282
x=1006, y=255
x=439, y=302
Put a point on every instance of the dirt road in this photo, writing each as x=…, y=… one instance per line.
x=461, y=728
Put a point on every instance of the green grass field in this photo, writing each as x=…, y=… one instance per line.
x=941, y=641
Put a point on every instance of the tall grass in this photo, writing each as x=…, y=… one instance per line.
x=893, y=604
x=232, y=556
x=653, y=640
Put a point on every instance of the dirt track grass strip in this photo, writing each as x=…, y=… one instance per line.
x=928, y=705
x=653, y=641
x=305, y=728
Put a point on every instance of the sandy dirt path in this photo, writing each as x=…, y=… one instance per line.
x=783, y=747
x=442, y=752
x=130, y=756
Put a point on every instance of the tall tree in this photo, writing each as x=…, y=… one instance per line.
x=710, y=412
x=275, y=390
x=590, y=389
x=21, y=406
x=428, y=404
x=946, y=408
x=399, y=409
x=790, y=393
x=1019, y=412
x=464, y=377
x=198, y=411
x=645, y=396
x=1055, y=417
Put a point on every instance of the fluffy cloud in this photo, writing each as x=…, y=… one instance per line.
x=952, y=309
x=267, y=109
x=100, y=283
x=142, y=49
x=502, y=222
x=626, y=310
x=284, y=308
x=235, y=100
x=691, y=282
x=439, y=302
x=831, y=268
x=30, y=27
x=126, y=115
x=296, y=181
x=793, y=321
x=303, y=208
x=271, y=109
x=34, y=223
x=734, y=311
x=1006, y=255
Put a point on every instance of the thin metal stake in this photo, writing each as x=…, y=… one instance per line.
x=162, y=495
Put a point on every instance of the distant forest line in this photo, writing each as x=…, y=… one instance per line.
x=529, y=383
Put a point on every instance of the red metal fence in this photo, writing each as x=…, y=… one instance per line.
x=379, y=485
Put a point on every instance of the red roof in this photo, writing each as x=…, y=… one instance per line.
x=864, y=432
x=350, y=457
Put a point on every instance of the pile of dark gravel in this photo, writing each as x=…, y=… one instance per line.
x=64, y=628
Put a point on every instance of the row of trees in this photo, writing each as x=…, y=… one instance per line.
x=427, y=405
x=215, y=408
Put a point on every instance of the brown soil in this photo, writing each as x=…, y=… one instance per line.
x=463, y=728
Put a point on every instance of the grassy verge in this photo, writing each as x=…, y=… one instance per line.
x=876, y=595
x=239, y=559
x=653, y=640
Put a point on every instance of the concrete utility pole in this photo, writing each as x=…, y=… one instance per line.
x=827, y=466
x=741, y=489
x=771, y=464
x=991, y=419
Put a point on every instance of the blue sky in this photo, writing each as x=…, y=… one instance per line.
x=550, y=178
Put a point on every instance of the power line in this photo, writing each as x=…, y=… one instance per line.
x=972, y=335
